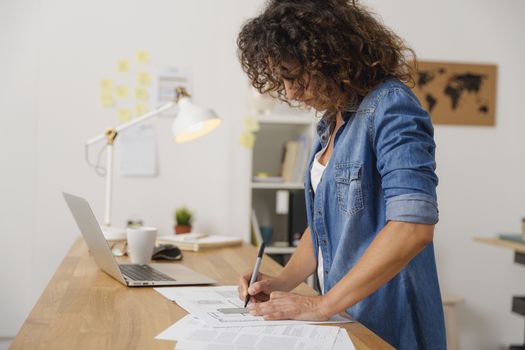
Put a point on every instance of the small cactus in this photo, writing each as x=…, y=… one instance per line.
x=183, y=216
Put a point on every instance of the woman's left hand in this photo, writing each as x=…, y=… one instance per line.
x=290, y=306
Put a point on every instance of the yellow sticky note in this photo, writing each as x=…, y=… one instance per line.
x=247, y=140
x=141, y=109
x=251, y=124
x=142, y=56
x=141, y=94
x=107, y=101
x=122, y=91
x=124, y=115
x=106, y=84
x=144, y=78
x=123, y=66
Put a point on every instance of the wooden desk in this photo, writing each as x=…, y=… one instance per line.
x=518, y=302
x=83, y=308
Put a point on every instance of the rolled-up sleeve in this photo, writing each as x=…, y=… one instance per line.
x=403, y=139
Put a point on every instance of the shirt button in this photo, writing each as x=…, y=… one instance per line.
x=324, y=242
x=326, y=271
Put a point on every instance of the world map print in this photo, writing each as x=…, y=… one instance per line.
x=455, y=93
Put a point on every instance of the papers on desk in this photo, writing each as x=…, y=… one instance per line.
x=208, y=328
x=192, y=333
x=343, y=341
x=204, y=303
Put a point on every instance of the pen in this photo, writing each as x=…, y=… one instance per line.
x=255, y=271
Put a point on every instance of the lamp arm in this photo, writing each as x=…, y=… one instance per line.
x=139, y=120
x=110, y=135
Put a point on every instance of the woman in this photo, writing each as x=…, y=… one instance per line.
x=370, y=183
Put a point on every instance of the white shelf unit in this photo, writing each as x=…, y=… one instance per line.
x=279, y=250
x=277, y=186
x=275, y=130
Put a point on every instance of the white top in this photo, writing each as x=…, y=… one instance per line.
x=316, y=173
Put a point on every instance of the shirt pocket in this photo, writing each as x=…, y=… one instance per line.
x=348, y=180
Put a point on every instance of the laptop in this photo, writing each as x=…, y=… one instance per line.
x=131, y=275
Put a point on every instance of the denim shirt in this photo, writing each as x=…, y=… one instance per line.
x=381, y=169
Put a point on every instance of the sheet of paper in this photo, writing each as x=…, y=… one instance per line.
x=141, y=94
x=122, y=91
x=138, y=151
x=123, y=65
x=247, y=140
x=144, y=78
x=204, y=303
x=191, y=333
x=343, y=341
x=168, y=80
x=142, y=56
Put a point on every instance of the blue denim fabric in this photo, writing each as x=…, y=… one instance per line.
x=381, y=169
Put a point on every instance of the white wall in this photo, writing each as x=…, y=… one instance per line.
x=481, y=169
x=18, y=115
x=55, y=51
x=80, y=44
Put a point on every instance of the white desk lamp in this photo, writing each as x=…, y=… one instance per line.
x=191, y=122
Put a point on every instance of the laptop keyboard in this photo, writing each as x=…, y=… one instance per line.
x=143, y=273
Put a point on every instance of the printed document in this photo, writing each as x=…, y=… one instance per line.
x=343, y=341
x=191, y=333
x=205, y=302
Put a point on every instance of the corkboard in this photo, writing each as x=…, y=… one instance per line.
x=457, y=93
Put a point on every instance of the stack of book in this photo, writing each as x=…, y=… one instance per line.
x=195, y=241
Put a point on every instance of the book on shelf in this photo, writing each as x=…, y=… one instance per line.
x=256, y=230
x=268, y=179
x=295, y=156
x=289, y=159
x=193, y=242
x=302, y=158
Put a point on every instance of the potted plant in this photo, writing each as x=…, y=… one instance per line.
x=183, y=219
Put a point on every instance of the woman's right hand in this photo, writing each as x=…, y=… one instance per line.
x=260, y=290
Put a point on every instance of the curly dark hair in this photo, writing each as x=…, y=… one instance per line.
x=337, y=43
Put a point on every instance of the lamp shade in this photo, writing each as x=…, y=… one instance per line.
x=193, y=121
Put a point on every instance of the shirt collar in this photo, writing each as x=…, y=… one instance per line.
x=325, y=124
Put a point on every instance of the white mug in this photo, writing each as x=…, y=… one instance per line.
x=141, y=242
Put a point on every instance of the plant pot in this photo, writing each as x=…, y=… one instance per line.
x=182, y=229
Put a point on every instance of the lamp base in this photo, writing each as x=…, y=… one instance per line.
x=112, y=233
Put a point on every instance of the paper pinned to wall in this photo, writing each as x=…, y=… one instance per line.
x=142, y=56
x=106, y=85
x=144, y=78
x=123, y=115
x=107, y=101
x=122, y=91
x=138, y=151
x=123, y=65
x=168, y=80
x=141, y=109
x=141, y=94
x=251, y=124
x=247, y=140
